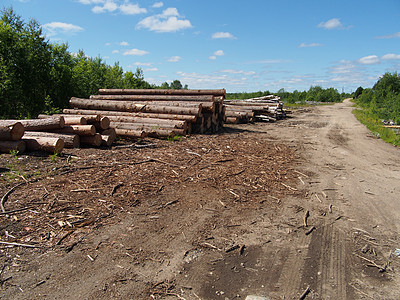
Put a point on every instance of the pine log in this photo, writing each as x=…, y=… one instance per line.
x=150, y=121
x=160, y=92
x=70, y=140
x=149, y=130
x=189, y=118
x=110, y=131
x=68, y=119
x=43, y=124
x=7, y=146
x=91, y=140
x=107, y=140
x=131, y=106
x=232, y=120
x=130, y=133
x=11, y=131
x=47, y=144
x=81, y=130
x=157, y=98
x=102, y=124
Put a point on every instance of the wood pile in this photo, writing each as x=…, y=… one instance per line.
x=262, y=109
x=155, y=112
x=54, y=133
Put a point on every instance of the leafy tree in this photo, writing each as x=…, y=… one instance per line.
x=358, y=92
x=176, y=85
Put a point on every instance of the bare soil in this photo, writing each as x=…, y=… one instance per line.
x=261, y=209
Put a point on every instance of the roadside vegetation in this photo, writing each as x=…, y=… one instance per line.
x=37, y=76
x=380, y=105
x=314, y=95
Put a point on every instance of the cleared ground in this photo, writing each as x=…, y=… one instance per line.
x=210, y=217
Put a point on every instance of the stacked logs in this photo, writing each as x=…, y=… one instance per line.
x=264, y=109
x=11, y=132
x=155, y=112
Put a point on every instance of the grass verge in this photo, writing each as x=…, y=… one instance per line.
x=376, y=127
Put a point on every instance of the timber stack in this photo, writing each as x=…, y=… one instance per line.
x=11, y=132
x=263, y=109
x=155, y=112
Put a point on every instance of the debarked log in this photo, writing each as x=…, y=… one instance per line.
x=81, y=130
x=47, y=144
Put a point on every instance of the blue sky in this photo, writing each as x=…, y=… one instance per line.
x=237, y=45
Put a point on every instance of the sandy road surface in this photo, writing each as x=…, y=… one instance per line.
x=217, y=217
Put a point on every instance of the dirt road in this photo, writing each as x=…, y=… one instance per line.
x=267, y=210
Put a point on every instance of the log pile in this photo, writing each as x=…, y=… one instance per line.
x=263, y=109
x=155, y=112
x=11, y=132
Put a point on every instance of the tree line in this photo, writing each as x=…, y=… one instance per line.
x=314, y=94
x=37, y=76
x=383, y=99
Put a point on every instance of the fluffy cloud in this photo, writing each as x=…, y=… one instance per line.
x=240, y=72
x=304, y=45
x=391, y=56
x=217, y=53
x=143, y=64
x=223, y=35
x=168, y=21
x=132, y=9
x=151, y=70
x=175, y=59
x=55, y=28
x=108, y=6
x=331, y=24
x=136, y=52
x=369, y=60
x=158, y=5
x=124, y=43
x=115, y=51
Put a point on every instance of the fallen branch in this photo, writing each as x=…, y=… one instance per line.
x=20, y=245
x=305, y=293
x=307, y=214
x=5, y=197
x=310, y=230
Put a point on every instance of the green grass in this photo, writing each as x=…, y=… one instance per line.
x=376, y=127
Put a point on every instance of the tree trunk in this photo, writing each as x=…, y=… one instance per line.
x=189, y=118
x=150, y=121
x=47, y=144
x=81, y=130
x=130, y=133
x=70, y=140
x=11, y=131
x=68, y=119
x=130, y=106
x=160, y=92
x=163, y=98
x=92, y=140
x=7, y=146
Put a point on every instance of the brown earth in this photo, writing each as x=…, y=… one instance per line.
x=209, y=217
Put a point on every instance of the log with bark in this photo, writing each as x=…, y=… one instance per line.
x=221, y=92
x=102, y=124
x=8, y=146
x=152, y=131
x=131, y=107
x=150, y=121
x=108, y=137
x=91, y=140
x=81, y=130
x=130, y=133
x=70, y=140
x=47, y=144
x=189, y=118
x=43, y=124
x=11, y=130
x=157, y=98
x=68, y=119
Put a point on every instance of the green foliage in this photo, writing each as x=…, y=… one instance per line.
x=358, y=92
x=383, y=100
x=39, y=77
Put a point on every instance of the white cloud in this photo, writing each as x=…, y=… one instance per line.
x=174, y=59
x=304, y=45
x=123, y=43
x=168, y=21
x=136, y=52
x=389, y=36
x=109, y=6
x=219, y=53
x=132, y=9
x=91, y=1
x=55, y=28
x=331, y=24
x=143, y=64
x=158, y=5
x=115, y=51
x=223, y=35
x=345, y=67
x=199, y=81
x=246, y=73
x=212, y=57
x=391, y=56
x=108, y=44
x=369, y=60
x=151, y=70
